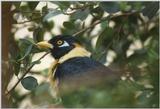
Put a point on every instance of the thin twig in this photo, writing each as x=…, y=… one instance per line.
x=81, y=7
x=33, y=12
x=111, y=16
x=94, y=24
x=29, y=20
x=25, y=74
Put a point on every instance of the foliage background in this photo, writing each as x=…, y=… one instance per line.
x=127, y=36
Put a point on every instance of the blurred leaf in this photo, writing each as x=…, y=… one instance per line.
x=17, y=4
x=69, y=25
x=36, y=62
x=52, y=13
x=110, y=7
x=97, y=12
x=29, y=83
x=24, y=9
x=151, y=9
x=153, y=54
x=17, y=66
x=105, y=38
x=80, y=14
x=38, y=34
x=138, y=54
x=31, y=28
x=124, y=7
x=28, y=51
x=63, y=5
x=42, y=88
x=24, y=46
x=32, y=5
x=45, y=9
x=48, y=25
x=135, y=5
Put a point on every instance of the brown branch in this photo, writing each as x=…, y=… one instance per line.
x=81, y=7
x=94, y=24
x=34, y=12
x=29, y=20
x=27, y=71
x=111, y=16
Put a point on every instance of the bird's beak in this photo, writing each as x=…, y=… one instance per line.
x=44, y=45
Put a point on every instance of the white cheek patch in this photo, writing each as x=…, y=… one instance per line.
x=65, y=44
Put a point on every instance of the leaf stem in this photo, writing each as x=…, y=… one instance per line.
x=7, y=92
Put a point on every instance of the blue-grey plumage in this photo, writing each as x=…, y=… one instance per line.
x=79, y=72
x=77, y=66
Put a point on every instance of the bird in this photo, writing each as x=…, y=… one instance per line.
x=73, y=68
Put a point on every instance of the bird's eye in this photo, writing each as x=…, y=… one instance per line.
x=59, y=42
x=65, y=44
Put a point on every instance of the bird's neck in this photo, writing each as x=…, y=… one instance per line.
x=75, y=52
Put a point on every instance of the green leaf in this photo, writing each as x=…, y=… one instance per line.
x=151, y=9
x=16, y=4
x=69, y=25
x=153, y=54
x=29, y=83
x=110, y=7
x=17, y=68
x=36, y=62
x=52, y=13
x=80, y=14
x=17, y=65
x=32, y=5
x=31, y=28
x=45, y=9
x=42, y=88
x=24, y=9
x=38, y=34
x=97, y=12
x=124, y=6
x=28, y=51
x=48, y=25
x=105, y=38
x=63, y=5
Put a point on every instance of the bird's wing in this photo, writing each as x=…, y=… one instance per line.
x=83, y=71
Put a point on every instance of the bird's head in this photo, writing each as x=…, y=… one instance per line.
x=60, y=45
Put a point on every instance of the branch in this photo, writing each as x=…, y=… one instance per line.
x=27, y=71
x=94, y=24
x=111, y=16
x=29, y=20
x=81, y=7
